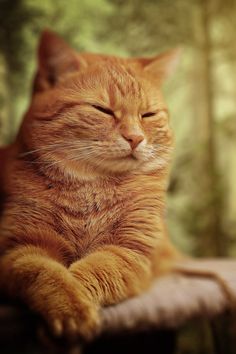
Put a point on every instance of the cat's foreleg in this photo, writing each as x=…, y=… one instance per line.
x=113, y=273
x=48, y=288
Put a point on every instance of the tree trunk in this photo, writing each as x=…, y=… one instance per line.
x=211, y=242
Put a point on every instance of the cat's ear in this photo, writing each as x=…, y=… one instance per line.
x=163, y=65
x=55, y=59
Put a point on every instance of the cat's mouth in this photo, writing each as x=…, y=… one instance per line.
x=125, y=158
x=129, y=156
x=132, y=157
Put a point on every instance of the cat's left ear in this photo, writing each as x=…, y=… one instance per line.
x=163, y=65
x=55, y=59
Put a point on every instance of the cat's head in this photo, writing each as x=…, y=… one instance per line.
x=98, y=114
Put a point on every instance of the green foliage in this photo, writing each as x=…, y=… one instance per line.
x=15, y=17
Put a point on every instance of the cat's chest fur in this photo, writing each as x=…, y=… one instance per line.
x=88, y=214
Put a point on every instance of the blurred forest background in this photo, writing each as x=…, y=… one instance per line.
x=201, y=96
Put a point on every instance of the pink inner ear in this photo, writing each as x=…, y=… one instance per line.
x=163, y=65
x=50, y=47
x=55, y=56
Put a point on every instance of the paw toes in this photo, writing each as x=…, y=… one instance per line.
x=57, y=327
x=71, y=327
x=73, y=323
x=89, y=328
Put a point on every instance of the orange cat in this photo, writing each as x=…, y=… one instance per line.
x=84, y=186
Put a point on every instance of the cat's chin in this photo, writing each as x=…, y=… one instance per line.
x=135, y=164
x=125, y=165
x=110, y=167
x=115, y=167
x=126, y=159
x=118, y=166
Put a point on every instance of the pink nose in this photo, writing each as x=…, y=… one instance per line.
x=133, y=139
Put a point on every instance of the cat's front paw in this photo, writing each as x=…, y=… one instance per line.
x=74, y=320
x=66, y=309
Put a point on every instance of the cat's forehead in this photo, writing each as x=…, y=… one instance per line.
x=118, y=82
x=122, y=80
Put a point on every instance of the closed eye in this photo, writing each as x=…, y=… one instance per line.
x=103, y=110
x=148, y=114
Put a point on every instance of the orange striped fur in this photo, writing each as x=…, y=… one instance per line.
x=84, y=186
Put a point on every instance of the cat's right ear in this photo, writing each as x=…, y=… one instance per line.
x=55, y=59
x=163, y=65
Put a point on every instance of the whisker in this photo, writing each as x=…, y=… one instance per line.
x=86, y=145
x=37, y=150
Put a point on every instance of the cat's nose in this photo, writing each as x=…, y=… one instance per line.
x=133, y=139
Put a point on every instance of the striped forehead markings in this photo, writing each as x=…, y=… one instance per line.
x=125, y=82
